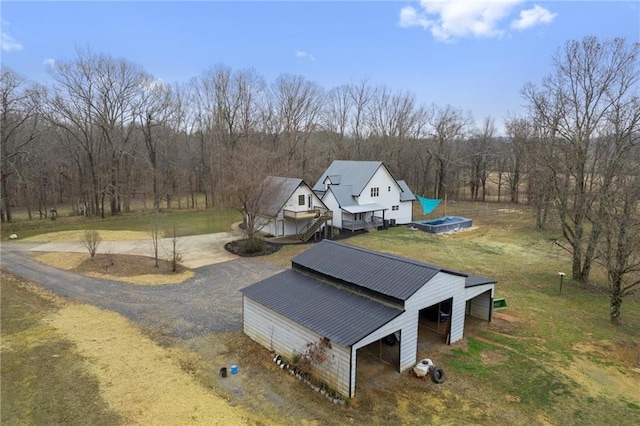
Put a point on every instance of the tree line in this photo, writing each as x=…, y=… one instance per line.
x=102, y=132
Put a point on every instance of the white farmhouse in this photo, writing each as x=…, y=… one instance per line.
x=364, y=195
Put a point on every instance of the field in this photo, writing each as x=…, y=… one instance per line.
x=547, y=359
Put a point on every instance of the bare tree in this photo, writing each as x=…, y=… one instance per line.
x=251, y=191
x=590, y=78
x=361, y=95
x=176, y=255
x=481, y=149
x=91, y=240
x=297, y=105
x=620, y=247
x=155, y=237
x=520, y=133
x=154, y=115
x=337, y=115
x=448, y=127
x=18, y=129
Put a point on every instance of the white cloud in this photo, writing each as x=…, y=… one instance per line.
x=49, y=62
x=305, y=55
x=532, y=17
x=7, y=42
x=455, y=19
x=409, y=17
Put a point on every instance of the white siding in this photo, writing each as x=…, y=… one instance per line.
x=292, y=202
x=284, y=336
x=389, y=196
x=479, y=300
x=440, y=288
x=389, y=193
x=266, y=225
x=332, y=204
x=404, y=216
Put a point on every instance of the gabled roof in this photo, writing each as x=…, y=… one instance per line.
x=277, y=190
x=354, y=173
x=385, y=274
x=343, y=195
x=406, y=194
x=341, y=316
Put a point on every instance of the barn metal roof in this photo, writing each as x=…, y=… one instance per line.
x=393, y=276
x=474, y=280
x=339, y=315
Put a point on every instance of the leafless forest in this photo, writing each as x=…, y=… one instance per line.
x=101, y=133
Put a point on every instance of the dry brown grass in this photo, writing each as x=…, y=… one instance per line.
x=138, y=270
x=143, y=383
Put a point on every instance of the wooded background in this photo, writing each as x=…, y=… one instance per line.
x=101, y=133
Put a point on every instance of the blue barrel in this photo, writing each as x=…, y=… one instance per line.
x=234, y=369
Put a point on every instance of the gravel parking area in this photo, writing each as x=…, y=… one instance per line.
x=207, y=303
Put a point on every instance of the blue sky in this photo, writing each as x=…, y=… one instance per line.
x=472, y=54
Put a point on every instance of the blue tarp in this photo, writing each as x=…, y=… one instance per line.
x=428, y=204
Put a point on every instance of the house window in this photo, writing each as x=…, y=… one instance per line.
x=357, y=217
x=301, y=200
x=389, y=188
x=375, y=192
x=395, y=207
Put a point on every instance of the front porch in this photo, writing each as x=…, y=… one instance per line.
x=358, y=225
x=359, y=217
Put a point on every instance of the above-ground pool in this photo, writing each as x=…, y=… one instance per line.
x=443, y=224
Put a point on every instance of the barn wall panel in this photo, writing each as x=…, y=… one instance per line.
x=286, y=337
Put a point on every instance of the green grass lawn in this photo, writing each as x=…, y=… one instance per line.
x=187, y=222
x=542, y=341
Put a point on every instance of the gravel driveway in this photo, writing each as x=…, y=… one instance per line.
x=208, y=302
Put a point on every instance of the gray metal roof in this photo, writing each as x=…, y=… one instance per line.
x=406, y=194
x=393, y=276
x=341, y=316
x=354, y=173
x=343, y=195
x=474, y=280
x=361, y=208
x=277, y=190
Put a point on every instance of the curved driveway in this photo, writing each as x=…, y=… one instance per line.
x=208, y=302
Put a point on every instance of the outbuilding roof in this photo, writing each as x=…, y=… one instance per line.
x=339, y=315
x=277, y=190
x=389, y=275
